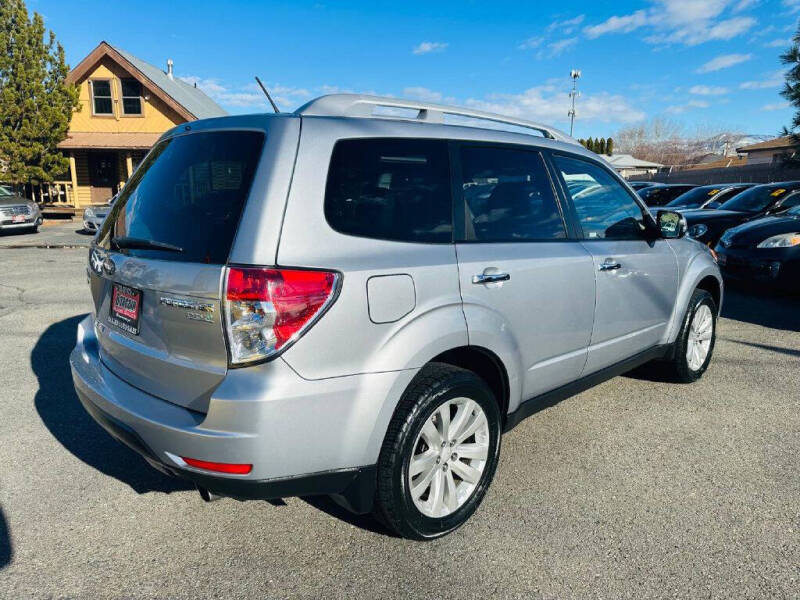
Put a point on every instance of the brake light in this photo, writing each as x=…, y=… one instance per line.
x=268, y=309
x=232, y=468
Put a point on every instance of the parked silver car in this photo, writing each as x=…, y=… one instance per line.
x=17, y=212
x=346, y=301
x=93, y=216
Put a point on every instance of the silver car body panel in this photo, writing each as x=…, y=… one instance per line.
x=326, y=402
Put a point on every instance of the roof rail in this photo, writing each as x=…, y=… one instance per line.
x=357, y=105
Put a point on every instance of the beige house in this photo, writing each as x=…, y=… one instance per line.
x=125, y=105
x=769, y=152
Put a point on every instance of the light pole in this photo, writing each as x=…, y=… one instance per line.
x=575, y=74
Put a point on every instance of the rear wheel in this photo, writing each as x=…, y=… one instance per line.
x=440, y=453
x=695, y=344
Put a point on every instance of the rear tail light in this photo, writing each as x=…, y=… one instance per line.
x=268, y=309
x=232, y=468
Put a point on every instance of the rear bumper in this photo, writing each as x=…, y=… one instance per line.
x=302, y=437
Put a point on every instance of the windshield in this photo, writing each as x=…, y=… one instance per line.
x=696, y=197
x=188, y=194
x=5, y=190
x=755, y=199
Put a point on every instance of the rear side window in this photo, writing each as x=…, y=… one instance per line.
x=189, y=193
x=605, y=208
x=508, y=196
x=391, y=189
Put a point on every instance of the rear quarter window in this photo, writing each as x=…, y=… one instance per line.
x=391, y=189
x=189, y=192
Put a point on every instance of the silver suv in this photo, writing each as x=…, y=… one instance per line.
x=357, y=299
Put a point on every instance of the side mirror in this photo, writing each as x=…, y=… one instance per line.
x=672, y=225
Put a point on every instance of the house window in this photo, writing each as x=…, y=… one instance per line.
x=131, y=97
x=101, y=97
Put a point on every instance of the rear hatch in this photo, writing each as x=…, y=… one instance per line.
x=158, y=265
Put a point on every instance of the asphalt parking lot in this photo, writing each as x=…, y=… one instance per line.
x=635, y=489
x=55, y=234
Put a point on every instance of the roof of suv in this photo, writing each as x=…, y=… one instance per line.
x=363, y=106
x=373, y=115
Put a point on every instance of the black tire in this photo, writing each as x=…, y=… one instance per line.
x=434, y=384
x=678, y=364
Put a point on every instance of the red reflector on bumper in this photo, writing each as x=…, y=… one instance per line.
x=233, y=469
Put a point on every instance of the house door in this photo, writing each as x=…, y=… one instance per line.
x=103, y=175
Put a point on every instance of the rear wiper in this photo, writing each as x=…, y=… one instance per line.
x=142, y=244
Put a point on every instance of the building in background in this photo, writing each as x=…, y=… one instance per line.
x=126, y=104
x=628, y=166
x=770, y=152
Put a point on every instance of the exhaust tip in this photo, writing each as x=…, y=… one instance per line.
x=206, y=495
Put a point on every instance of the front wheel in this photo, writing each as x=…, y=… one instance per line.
x=440, y=453
x=695, y=344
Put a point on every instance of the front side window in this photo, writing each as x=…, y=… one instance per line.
x=131, y=97
x=508, y=196
x=605, y=209
x=101, y=97
x=392, y=189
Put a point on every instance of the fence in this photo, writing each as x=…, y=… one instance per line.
x=744, y=174
x=56, y=192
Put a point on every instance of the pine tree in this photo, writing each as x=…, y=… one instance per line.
x=601, y=148
x=610, y=146
x=36, y=103
x=590, y=144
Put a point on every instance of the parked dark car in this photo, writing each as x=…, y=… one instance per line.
x=638, y=185
x=765, y=250
x=662, y=194
x=707, y=196
x=707, y=226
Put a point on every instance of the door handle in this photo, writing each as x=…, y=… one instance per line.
x=490, y=277
x=609, y=264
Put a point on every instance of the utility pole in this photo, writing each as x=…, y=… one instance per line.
x=575, y=74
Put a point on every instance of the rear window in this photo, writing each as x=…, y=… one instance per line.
x=188, y=193
x=391, y=189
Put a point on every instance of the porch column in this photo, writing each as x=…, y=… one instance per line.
x=128, y=164
x=73, y=176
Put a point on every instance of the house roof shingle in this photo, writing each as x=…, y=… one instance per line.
x=77, y=140
x=785, y=141
x=185, y=94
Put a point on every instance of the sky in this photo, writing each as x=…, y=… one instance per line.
x=708, y=64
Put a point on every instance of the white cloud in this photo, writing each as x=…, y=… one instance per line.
x=557, y=48
x=779, y=43
x=623, y=24
x=744, y=5
x=532, y=42
x=547, y=103
x=688, y=22
x=772, y=80
x=429, y=47
x=249, y=95
x=708, y=90
x=682, y=108
x=724, y=61
x=427, y=95
x=775, y=106
x=792, y=6
x=566, y=26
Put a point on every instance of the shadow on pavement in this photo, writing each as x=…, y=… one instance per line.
x=366, y=522
x=5, y=542
x=63, y=415
x=768, y=310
